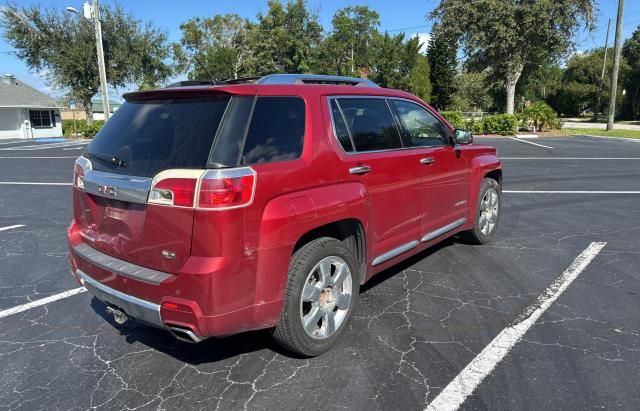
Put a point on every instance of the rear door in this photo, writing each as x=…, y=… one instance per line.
x=162, y=142
x=373, y=155
x=443, y=170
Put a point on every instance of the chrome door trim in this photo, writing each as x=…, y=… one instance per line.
x=442, y=230
x=395, y=252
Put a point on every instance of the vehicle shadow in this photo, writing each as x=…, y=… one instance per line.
x=218, y=349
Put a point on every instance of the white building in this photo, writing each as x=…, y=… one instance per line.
x=26, y=112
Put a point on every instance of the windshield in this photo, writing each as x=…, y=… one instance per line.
x=147, y=136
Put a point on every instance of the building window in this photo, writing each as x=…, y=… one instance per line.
x=40, y=118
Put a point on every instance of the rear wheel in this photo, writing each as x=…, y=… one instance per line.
x=322, y=288
x=487, y=213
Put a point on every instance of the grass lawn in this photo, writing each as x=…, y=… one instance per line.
x=596, y=132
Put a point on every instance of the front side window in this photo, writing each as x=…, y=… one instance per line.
x=40, y=118
x=422, y=127
x=370, y=123
x=276, y=131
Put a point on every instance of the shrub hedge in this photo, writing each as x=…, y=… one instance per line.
x=82, y=128
x=503, y=124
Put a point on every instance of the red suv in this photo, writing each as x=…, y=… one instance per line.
x=212, y=209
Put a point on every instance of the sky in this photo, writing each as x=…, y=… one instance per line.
x=408, y=16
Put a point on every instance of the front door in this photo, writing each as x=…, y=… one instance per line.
x=444, y=170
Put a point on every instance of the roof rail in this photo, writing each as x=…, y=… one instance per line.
x=315, y=79
x=282, y=79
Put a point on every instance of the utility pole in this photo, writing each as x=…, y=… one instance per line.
x=101, y=68
x=91, y=14
x=616, y=66
x=604, y=64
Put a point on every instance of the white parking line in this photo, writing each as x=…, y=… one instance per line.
x=29, y=183
x=530, y=142
x=454, y=394
x=569, y=158
x=34, y=147
x=568, y=192
x=11, y=227
x=42, y=301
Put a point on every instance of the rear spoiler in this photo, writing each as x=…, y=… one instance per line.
x=182, y=92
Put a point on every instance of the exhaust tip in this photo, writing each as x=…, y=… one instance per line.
x=184, y=334
x=120, y=317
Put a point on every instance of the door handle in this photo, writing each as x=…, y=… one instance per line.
x=427, y=160
x=360, y=169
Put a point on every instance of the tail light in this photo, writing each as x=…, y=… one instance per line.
x=220, y=189
x=175, y=188
x=210, y=190
x=82, y=166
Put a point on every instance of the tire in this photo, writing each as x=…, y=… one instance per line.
x=487, y=215
x=322, y=289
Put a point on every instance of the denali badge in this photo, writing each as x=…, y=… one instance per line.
x=169, y=255
x=108, y=190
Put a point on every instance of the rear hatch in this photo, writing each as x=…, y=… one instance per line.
x=145, y=141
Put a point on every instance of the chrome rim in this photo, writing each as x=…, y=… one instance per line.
x=326, y=297
x=489, y=208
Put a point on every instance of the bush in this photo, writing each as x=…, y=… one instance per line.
x=541, y=115
x=82, y=128
x=503, y=124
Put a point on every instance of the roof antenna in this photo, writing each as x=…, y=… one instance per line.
x=204, y=68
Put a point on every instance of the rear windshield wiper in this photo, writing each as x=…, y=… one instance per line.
x=110, y=159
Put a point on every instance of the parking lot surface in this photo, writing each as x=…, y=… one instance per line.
x=417, y=326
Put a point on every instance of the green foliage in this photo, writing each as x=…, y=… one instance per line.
x=442, y=63
x=502, y=124
x=506, y=36
x=631, y=52
x=578, y=91
x=63, y=45
x=472, y=92
x=348, y=48
x=82, y=128
x=540, y=114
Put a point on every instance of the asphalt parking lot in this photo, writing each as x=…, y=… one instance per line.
x=417, y=327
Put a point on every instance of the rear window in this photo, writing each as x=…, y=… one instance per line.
x=147, y=136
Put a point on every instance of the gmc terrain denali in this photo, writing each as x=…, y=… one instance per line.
x=212, y=209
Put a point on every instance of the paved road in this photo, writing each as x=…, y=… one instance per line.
x=600, y=126
x=417, y=327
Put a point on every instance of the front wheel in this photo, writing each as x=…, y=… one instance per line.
x=487, y=213
x=322, y=288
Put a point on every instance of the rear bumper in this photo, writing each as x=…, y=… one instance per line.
x=134, y=307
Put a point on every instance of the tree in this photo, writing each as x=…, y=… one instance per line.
x=507, y=35
x=286, y=39
x=348, y=47
x=216, y=48
x=59, y=44
x=472, y=92
x=578, y=91
x=441, y=53
x=631, y=53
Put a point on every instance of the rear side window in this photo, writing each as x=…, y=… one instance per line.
x=148, y=136
x=276, y=131
x=370, y=123
x=340, y=127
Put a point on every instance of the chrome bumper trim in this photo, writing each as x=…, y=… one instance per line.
x=118, y=266
x=134, y=307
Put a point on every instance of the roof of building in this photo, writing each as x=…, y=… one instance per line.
x=15, y=93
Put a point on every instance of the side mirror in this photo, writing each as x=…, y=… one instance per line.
x=462, y=137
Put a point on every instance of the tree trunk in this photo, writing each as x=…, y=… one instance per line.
x=513, y=75
x=88, y=105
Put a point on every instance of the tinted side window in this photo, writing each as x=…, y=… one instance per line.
x=276, y=132
x=422, y=127
x=341, y=128
x=371, y=123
